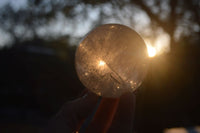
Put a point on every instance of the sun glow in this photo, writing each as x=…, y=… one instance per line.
x=158, y=45
x=101, y=63
x=151, y=51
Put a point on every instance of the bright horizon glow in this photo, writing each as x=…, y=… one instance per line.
x=151, y=51
x=101, y=63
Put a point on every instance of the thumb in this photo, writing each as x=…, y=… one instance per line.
x=75, y=111
x=72, y=113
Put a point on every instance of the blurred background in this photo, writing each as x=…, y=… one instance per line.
x=38, y=39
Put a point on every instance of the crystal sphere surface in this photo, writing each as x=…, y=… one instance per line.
x=111, y=60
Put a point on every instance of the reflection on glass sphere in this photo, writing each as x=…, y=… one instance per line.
x=111, y=60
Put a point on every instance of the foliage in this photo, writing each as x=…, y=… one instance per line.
x=177, y=18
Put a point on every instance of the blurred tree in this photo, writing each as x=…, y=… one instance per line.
x=173, y=16
x=177, y=18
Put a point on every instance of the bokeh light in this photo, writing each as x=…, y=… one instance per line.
x=151, y=51
x=101, y=63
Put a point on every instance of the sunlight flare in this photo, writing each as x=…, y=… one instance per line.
x=101, y=63
x=151, y=51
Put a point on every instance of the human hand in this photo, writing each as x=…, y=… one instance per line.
x=73, y=113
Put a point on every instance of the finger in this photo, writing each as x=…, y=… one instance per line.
x=73, y=112
x=123, y=120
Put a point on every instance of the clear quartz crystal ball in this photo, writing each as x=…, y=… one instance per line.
x=111, y=60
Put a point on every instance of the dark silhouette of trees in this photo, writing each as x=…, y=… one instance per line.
x=178, y=18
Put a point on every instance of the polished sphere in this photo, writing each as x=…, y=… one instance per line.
x=111, y=60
